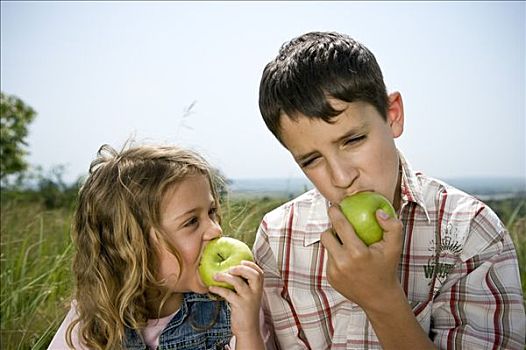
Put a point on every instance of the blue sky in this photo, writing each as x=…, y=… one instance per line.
x=101, y=72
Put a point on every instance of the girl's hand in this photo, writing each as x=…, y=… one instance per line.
x=245, y=301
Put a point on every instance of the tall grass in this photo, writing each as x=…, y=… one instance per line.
x=36, y=252
x=36, y=282
x=516, y=224
x=35, y=273
x=241, y=217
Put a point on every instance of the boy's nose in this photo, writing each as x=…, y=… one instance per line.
x=342, y=176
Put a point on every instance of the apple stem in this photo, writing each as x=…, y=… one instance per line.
x=221, y=256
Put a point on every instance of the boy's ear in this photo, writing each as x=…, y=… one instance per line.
x=395, y=114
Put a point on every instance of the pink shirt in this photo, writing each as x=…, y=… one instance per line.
x=153, y=330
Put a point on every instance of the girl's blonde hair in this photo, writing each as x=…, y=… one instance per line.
x=115, y=261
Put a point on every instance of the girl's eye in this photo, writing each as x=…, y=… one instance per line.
x=191, y=222
x=212, y=212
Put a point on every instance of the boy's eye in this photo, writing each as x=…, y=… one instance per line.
x=308, y=162
x=354, y=140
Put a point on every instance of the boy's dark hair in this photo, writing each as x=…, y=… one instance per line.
x=313, y=67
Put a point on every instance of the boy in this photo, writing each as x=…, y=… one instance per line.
x=445, y=274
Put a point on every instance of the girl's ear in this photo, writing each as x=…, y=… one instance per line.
x=395, y=114
x=156, y=242
x=153, y=237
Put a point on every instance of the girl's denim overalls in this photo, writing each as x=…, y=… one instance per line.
x=200, y=324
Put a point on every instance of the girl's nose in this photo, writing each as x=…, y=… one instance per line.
x=213, y=231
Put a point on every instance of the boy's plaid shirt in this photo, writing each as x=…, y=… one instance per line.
x=458, y=268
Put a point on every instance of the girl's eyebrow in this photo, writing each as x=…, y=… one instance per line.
x=182, y=216
x=191, y=211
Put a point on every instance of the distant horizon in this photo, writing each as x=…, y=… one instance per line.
x=481, y=177
x=482, y=186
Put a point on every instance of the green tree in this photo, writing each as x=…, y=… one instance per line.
x=15, y=117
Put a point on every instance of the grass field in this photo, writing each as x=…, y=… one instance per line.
x=36, y=281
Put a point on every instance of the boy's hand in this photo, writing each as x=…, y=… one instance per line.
x=245, y=301
x=365, y=275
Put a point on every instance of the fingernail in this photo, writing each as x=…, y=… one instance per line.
x=382, y=214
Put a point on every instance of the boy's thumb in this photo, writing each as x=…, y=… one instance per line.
x=382, y=215
x=390, y=225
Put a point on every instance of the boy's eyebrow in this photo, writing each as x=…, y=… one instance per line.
x=350, y=133
x=302, y=157
x=355, y=130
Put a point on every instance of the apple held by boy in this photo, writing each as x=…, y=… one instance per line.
x=219, y=255
x=360, y=210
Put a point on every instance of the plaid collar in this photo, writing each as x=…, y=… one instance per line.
x=411, y=192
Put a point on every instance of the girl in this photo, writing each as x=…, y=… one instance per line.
x=143, y=218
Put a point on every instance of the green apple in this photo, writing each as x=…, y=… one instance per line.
x=360, y=209
x=219, y=255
